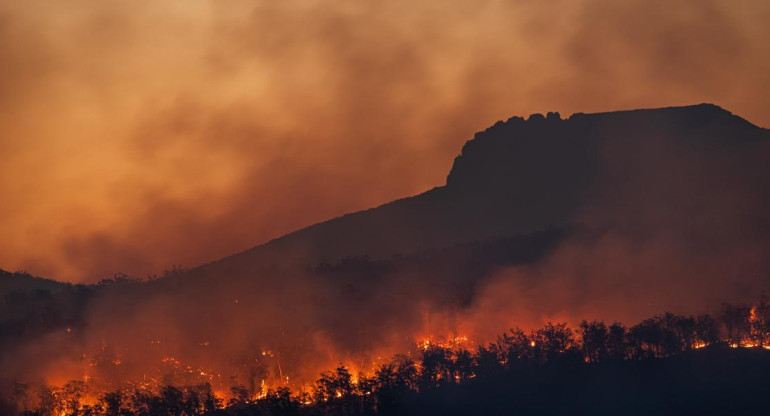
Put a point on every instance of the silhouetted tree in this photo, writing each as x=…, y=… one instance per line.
x=366, y=390
x=735, y=318
x=515, y=348
x=333, y=390
x=760, y=321
x=240, y=396
x=388, y=389
x=113, y=404
x=553, y=341
x=674, y=332
x=464, y=365
x=617, y=345
x=488, y=361
x=280, y=402
x=171, y=401
x=436, y=367
x=200, y=398
x=645, y=339
x=407, y=374
x=595, y=336
x=707, y=329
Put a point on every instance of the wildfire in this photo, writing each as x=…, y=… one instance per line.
x=171, y=361
x=264, y=375
x=262, y=390
x=451, y=342
x=266, y=388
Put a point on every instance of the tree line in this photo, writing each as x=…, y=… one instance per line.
x=437, y=367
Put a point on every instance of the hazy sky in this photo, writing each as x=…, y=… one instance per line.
x=137, y=135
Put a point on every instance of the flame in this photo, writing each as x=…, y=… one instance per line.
x=268, y=386
x=451, y=341
x=183, y=371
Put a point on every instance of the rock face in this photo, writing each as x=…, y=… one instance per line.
x=520, y=176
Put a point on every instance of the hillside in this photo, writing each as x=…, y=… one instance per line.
x=22, y=282
x=523, y=176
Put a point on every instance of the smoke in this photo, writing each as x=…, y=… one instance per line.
x=281, y=328
x=144, y=135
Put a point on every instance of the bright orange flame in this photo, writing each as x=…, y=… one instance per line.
x=268, y=385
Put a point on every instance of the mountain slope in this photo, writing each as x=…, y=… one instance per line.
x=521, y=176
x=22, y=282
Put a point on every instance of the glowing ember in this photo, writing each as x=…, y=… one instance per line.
x=436, y=359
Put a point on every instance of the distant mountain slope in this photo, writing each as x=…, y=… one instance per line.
x=521, y=176
x=21, y=282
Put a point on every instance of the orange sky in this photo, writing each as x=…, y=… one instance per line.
x=137, y=135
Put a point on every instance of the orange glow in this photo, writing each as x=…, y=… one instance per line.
x=267, y=385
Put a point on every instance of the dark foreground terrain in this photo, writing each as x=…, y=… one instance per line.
x=716, y=380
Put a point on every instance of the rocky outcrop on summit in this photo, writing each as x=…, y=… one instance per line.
x=519, y=146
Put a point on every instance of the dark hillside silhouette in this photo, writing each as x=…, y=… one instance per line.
x=23, y=282
x=522, y=176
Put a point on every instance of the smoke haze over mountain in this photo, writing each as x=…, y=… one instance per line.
x=608, y=216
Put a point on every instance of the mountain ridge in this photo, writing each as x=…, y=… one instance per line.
x=544, y=160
